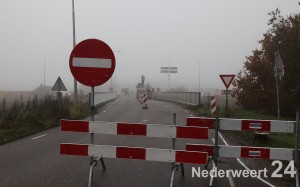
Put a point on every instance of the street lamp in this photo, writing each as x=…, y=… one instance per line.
x=74, y=44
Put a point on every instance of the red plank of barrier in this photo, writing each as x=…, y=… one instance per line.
x=192, y=132
x=74, y=125
x=201, y=122
x=131, y=129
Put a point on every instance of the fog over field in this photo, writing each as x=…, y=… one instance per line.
x=202, y=38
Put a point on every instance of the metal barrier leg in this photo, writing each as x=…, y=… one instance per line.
x=209, y=160
x=182, y=169
x=174, y=169
x=297, y=178
x=103, y=164
x=212, y=177
x=91, y=170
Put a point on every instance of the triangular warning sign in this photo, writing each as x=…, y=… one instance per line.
x=227, y=80
x=59, y=85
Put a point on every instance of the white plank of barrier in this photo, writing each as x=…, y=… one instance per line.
x=120, y=128
x=140, y=153
x=245, y=151
x=244, y=124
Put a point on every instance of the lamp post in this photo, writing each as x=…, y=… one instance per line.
x=74, y=44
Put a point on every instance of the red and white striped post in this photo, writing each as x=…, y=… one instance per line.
x=145, y=99
x=213, y=105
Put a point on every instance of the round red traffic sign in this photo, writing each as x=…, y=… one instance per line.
x=92, y=62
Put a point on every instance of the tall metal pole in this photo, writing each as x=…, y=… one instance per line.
x=169, y=80
x=296, y=149
x=199, y=79
x=277, y=90
x=74, y=44
x=296, y=140
x=92, y=110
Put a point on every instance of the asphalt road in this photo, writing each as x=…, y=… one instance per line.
x=35, y=161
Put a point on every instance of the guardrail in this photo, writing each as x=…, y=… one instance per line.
x=189, y=98
x=103, y=97
x=195, y=99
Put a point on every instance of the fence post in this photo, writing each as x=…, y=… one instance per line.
x=216, y=149
x=296, y=148
x=297, y=139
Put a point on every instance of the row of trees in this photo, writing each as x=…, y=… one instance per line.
x=256, y=85
x=39, y=113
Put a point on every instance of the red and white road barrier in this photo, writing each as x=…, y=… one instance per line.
x=245, y=151
x=150, y=130
x=213, y=105
x=177, y=157
x=150, y=154
x=244, y=124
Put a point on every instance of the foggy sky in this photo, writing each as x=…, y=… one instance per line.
x=213, y=34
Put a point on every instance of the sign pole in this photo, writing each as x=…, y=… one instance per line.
x=92, y=117
x=226, y=99
x=74, y=44
x=297, y=140
x=277, y=90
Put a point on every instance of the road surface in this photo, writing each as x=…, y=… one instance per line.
x=36, y=161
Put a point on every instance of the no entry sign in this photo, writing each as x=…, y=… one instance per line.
x=92, y=62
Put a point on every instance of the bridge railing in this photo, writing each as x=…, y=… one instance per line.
x=189, y=98
x=195, y=98
x=103, y=97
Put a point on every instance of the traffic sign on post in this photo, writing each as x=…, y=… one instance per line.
x=227, y=80
x=92, y=62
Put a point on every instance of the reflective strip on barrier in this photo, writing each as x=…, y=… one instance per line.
x=155, y=130
x=244, y=124
x=140, y=153
x=245, y=151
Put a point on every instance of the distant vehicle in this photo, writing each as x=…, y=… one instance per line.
x=125, y=91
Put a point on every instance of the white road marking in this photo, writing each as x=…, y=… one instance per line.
x=213, y=140
x=104, y=111
x=242, y=164
x=96, y=116
x=39, y=137
x=231, y=181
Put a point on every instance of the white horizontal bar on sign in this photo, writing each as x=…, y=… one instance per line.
x=230, y=124
x=92, y=62
x=156, y=130
x=230, y=151
x=281, y=154
x=100, y=127
x=162, y=155
x=106, y=151
x=282, y=126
